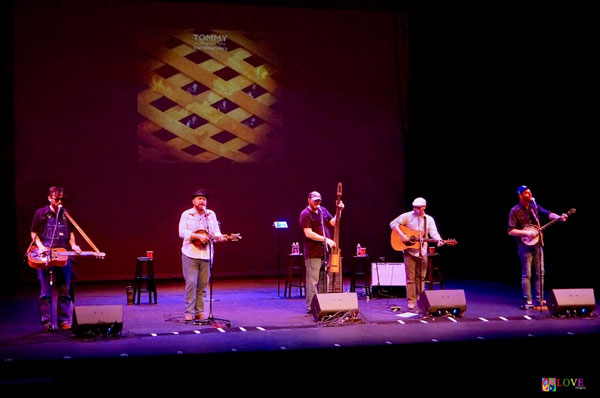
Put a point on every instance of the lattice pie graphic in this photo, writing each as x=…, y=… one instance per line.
x=210, y=97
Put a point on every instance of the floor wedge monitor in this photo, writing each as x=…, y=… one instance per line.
x=98, y=320
x=442, y=302
x=324, y=304
x=571, y=302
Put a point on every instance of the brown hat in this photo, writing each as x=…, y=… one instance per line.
x=200, y=192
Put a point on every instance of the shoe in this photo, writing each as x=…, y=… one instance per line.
x=47, y=327
x=527, y=306
x=542, y=304
x=199, y=318
x=188, y=318
x=65, y=326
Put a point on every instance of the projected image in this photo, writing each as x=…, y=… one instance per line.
x=211, y=96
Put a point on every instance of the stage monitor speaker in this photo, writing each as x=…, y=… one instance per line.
x=324, y=304
x=575, y=302
x=441, y=302
x=98, y=319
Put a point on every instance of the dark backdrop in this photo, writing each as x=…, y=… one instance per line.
x=494, y=101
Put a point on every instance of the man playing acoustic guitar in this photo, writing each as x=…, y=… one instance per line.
x=415, y=259
x=523, y=224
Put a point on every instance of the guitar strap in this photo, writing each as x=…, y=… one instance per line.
x=87, y=239
x=424, y=226
x=534, y=213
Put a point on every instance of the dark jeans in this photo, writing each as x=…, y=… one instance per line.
x=62, y=280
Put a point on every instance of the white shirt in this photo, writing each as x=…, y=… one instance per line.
x=190, y=222
x=412, y=221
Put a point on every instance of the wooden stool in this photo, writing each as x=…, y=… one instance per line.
x=361, y=271
x=147, y=277
x=434, y=272
x=295, y=276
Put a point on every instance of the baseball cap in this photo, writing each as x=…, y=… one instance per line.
x=314, y=195
x=521, y=189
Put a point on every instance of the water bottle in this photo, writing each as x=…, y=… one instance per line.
x=129, y=291
x=358, y=249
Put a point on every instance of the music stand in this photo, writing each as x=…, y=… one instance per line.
x=211, y=320
x=279, y=225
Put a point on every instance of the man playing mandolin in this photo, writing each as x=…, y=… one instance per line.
x=523, y=224
x=415, y=259
x=52, y=229
x=197, y=226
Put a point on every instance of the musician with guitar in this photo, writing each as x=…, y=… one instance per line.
x=415, y=247
x=198, y=226
x=52, y=229
x=317, y=225
x=524, y=225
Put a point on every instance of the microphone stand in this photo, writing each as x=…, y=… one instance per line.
x=325, y=262
x=51, y=269
x=211, y=320
x=539, y=247
x=420, y=263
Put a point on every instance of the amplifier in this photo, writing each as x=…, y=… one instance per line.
x=388, y=274
x=388, y=280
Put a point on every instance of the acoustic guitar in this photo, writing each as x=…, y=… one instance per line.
x=399, y=245
x=57, y=256
x=532, y=241
x=200, y=244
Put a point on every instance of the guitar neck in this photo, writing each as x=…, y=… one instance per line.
x=74, y=253
x=549, y=224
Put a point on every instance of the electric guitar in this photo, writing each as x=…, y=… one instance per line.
x=57, y=256
x=399, y=245
x=532, y=241
x=200, y=244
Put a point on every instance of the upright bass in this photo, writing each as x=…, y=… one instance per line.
x=335, y=276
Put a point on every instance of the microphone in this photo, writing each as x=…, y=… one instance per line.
x=60, y=211
x=533, y=201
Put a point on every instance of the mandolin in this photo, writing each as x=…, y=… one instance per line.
x=413, y=243
x=199, y=244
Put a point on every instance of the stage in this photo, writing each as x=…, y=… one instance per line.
x=273, y=336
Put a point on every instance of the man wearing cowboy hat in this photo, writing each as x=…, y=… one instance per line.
x=196, y=252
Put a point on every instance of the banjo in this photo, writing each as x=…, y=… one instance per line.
x=532, y=241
